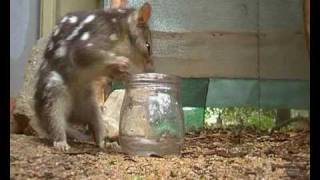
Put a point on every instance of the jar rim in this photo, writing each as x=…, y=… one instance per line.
x=154, y=77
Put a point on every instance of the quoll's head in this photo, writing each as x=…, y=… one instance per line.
x=138, y=39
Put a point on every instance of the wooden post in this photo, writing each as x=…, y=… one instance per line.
x=47, y=16
x=306, y=12
x=283, y=115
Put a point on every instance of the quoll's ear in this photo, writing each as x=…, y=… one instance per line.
x=144, y=13
x=119, y=3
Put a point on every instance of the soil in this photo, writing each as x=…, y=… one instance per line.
x=211, y=154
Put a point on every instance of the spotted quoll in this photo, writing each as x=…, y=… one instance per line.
x=84, y=47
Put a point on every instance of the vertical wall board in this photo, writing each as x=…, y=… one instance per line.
x=285, y=94
x=47, y=17
x=193, y=118
x=53, y=10
x=281, y=14
x=233, y=92
x=283, y=56
x=204, y=15
x=273, y=93
x=194, y=92
x=306, y=13
x=282, y=49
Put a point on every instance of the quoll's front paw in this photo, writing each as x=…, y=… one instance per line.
x=122, y=64
x=61, y=146
x=119, y=63
x=119, y=68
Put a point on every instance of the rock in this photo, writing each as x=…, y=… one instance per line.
x=18, y=123
x=23, y=112
x=111, y=113
x=13, y=123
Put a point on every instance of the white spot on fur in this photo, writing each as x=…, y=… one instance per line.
x=111, y=54
x=113, y=37
x=75, y=32
x=85, y=36
x=73, y=19
x=56, y=32
x=89, y=44
x=114, y=20
x=89, y=18
x=55, y=76
x=54, y=79
x=50, y=46
x=64, y=19
x=60, y=52
x=121, y=10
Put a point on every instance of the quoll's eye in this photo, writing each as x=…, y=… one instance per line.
x=148, y=47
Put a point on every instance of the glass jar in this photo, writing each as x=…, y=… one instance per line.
x=151, y=119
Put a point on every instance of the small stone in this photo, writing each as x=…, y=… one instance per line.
x=111, y=114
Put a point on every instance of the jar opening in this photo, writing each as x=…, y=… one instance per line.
x=154, y=77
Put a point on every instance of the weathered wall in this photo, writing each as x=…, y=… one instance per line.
x=227, y=45
x=228, y=38
x=24, y=23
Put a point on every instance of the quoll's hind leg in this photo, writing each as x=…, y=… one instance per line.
x=91, y=112
x=53, y=109
x=58, y=117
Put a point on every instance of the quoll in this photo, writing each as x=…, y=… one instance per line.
x=85, y=46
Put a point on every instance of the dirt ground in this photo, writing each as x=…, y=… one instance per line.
x=211, y=154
